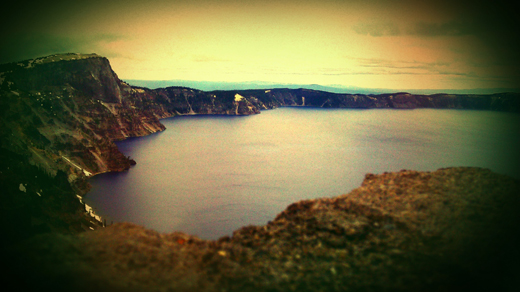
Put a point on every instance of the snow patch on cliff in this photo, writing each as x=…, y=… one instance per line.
x=238, y=97
x=90, y=211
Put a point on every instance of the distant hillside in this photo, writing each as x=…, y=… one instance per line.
x=211, y=85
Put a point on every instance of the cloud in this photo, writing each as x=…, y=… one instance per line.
x=378, y=62
x=207, y=59
x=379, y=66
x=377, y=29
x=421, y=29
x=452, y=28
x=374, y=66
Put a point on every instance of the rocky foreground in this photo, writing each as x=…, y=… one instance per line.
x=454, y=229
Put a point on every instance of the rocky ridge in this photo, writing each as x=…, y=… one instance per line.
x=449, y=230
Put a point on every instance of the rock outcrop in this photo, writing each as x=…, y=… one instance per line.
x=449, y=230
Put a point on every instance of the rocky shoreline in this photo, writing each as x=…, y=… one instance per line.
x=452, y=229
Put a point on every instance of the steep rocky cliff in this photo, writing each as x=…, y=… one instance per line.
x=313, y=98
x=62, y=114
x=65, y=111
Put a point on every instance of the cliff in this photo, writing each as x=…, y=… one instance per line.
x=65, y=111
x=452, y=229
x=62, y=114
x=313, y=98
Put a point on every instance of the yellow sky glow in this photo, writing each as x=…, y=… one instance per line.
x=377, y=44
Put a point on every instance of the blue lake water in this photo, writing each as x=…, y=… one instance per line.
x=210, y=175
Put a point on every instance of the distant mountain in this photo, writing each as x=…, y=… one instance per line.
x=212, y=85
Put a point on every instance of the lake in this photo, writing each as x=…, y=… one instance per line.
x=210, y=175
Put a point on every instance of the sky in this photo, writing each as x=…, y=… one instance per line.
x=390, y=44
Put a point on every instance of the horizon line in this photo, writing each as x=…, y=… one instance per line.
x=337, y=88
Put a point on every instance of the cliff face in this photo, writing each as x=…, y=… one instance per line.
x=90, y=75
x=62, y=114
x=312, y=98
x=65, y=111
